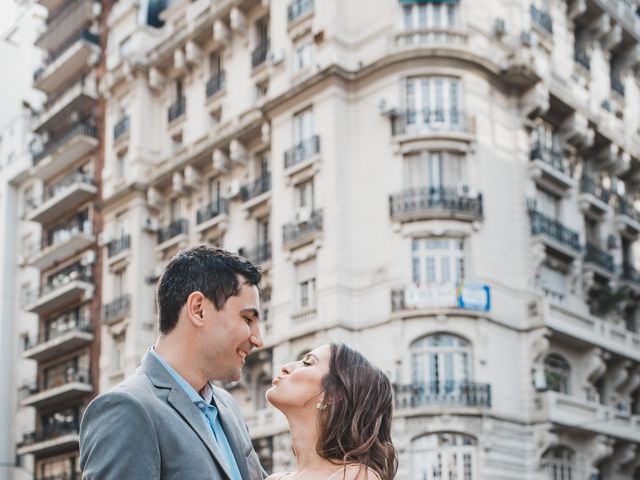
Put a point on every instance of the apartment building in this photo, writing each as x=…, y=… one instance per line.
x=448, y=185
x=56, y=240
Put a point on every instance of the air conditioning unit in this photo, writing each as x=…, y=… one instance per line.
x=233, y=189
x=150, y=224
x=155, y=275
x=539, y=380
x=303, y=215
x=386, y=108
x=275, y=57
x=88, y=258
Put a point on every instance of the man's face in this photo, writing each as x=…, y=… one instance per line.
x=231, y=334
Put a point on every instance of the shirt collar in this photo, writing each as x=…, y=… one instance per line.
x=207, y=391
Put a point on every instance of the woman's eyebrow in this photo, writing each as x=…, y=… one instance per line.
x=309, y=355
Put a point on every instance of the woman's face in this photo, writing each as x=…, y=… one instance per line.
x=299, y=384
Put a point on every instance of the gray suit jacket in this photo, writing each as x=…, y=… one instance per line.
x=148, y=428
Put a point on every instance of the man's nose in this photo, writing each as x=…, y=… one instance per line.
x=256, y=337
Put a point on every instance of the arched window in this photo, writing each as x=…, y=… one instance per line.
x=440, y=361
x=556, y=372
x=443, y=456
x=559, y=463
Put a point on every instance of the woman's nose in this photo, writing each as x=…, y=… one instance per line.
x=287, y=368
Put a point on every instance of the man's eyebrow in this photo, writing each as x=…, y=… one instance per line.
x=251, y=311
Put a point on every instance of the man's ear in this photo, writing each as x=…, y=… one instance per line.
x=195, y=308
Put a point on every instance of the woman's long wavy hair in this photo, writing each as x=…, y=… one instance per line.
x=356, y=426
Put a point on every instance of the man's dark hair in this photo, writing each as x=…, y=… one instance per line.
x=207, y=269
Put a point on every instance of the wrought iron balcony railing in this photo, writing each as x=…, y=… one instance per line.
x=429, y=120
x=81, y=128
x=259, y=54
x=629, y=272
x=588, y=185
x=258, y=255
x=118, y=245
x=215, y=83
x=448, y=393
x=257, y=187
x=549, y=156
x=63, y=377
x=50, y=432
x=77, y=322
x=302, y=151
x=116, y=308
x=294, y=231
x=59, y=279
x=64, y=232
x=595, y=255
x=177, y=109
x=542, y=18
x=429, y=199
x=549, y=227
x=212, y=210
x=298, y=8
x=172, y=230
x=121, y=128
x=626, y=208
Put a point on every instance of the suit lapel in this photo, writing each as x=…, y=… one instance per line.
x=226, y=417
x=182, y=404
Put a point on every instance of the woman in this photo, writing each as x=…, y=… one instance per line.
x=338, y=407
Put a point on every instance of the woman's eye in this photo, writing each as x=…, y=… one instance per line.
x=305, y=363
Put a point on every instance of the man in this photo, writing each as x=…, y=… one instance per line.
x=167, y=421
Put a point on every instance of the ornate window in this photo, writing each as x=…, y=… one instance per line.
x=559, y=462
x=441, y=361
x=437, y=260
x=433, y=102
x=443, y=456
x=430, y=15
x=557, y=372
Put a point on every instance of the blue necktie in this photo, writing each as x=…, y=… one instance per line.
x=211, y=413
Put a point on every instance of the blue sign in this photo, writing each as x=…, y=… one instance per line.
x=475, y=296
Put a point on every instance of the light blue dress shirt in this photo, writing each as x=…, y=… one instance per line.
x=209, y=413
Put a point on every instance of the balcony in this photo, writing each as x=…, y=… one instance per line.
x=549, y=169
x=594, y=198
x=71, y=284
x=302, y=151
x=70, y=385
x=303, y=230
x=207, y=215
x=627, y=218
x=215, y=84
x=63, y=197
x=431, y=123
x=61, y=243
x=177, y=109
x=259, y=54
x=429, y=203
x=77, y=100
x=578, y=414
x=116, y=310
x=555, y=235
x=68, y=62
x=59, y=154
x=630, y=273
x=54, y=438
x=257, y=187
x=585, y=330
x=119, y=245
x=72, y=16
x=541, y=19
x=602, y=261
x=299, y=9
x=54, y=342
x=259, y=255
x=443, y=394
x=121, y=129
x=171, y=232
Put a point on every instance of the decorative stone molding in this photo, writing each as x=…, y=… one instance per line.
x=220, y=161
x=193, y=53
x=536, y=101
x=595, y=365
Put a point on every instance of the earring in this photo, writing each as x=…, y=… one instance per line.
x=320, y=406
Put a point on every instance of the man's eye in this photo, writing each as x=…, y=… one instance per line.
x=247, y=319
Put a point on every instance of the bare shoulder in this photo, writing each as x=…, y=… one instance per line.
x=358, y=471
